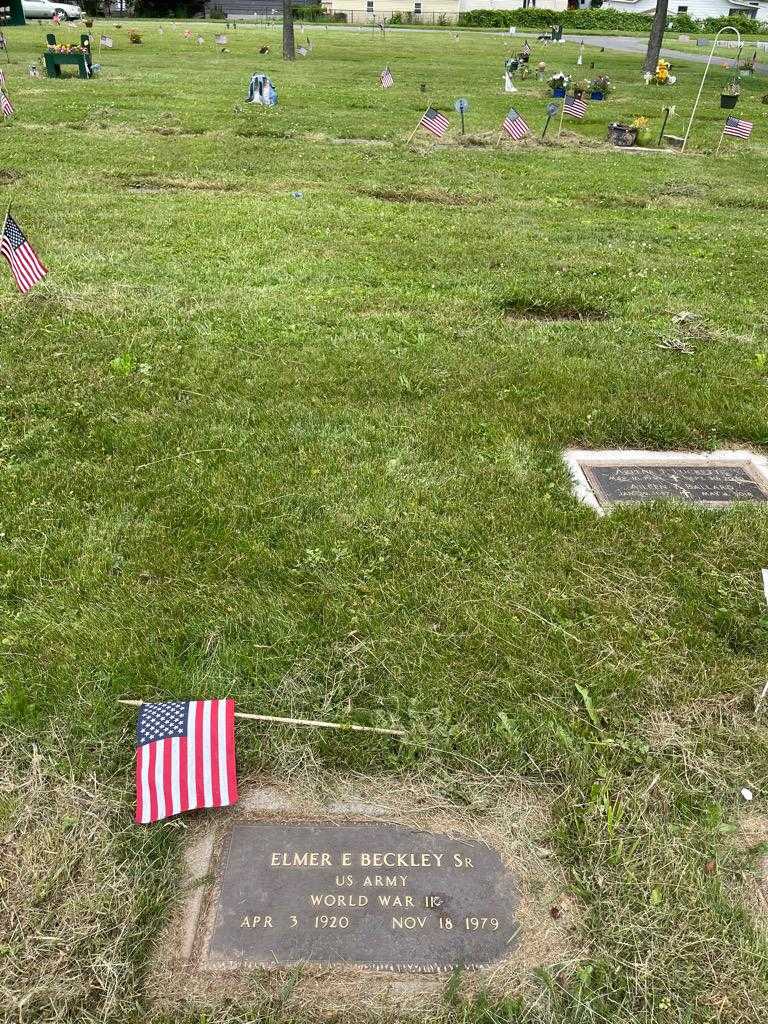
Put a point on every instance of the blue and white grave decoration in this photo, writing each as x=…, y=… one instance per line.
x=261, y=90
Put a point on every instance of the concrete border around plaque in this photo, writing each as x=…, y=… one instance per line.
x=605, y=478
x=508, y=914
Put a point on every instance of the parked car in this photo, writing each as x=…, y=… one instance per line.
x=46, y=9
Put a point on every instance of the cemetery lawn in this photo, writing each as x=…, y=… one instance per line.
x=306, y=451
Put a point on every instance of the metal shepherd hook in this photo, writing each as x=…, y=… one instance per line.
x=728, y=28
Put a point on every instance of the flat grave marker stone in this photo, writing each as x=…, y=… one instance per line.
x=378, y=895
x=603, y=479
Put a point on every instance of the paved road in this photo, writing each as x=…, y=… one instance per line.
x=636, y=44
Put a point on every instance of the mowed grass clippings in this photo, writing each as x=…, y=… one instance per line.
x=305, y=451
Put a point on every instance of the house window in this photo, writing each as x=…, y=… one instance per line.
x=682, y=10
x=369, y=6
x=416, y=7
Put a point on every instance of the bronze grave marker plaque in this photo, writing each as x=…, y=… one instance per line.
x=702, y=485
x=382, y=896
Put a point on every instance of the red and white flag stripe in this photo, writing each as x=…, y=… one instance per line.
x=182, y=773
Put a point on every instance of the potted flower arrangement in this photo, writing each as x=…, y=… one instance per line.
x=580, y=87
x=662, y=76
x=601, y=85
x=559, y=83
x=642, y=126
x=730, y=94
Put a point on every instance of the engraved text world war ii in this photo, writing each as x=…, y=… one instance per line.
x=383, y=896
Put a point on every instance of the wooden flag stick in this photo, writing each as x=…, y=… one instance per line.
x=410, y=137
x=298, y=721
x=562, y=115
x=722, y=136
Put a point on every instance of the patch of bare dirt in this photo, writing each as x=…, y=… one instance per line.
x=157, y=183
x=518, y=309
x=413, y=196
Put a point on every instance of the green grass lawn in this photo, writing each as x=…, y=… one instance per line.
x=291, y=450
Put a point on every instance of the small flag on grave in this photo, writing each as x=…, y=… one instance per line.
x=574, y=107
x=187, y=34
x=514, y=125
x=738, y=128
x=5, y=105
x=302, y=51
x=526, y=50
x=434, y=122
x=106, y=41
x=24, y=262
x=185, y=757
x=386, y=81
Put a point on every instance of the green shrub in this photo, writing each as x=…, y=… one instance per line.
x=309, y=12
x=684, y=23
x=744, y=24
x=572, y=21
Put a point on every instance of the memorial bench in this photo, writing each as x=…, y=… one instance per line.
x=81, y=58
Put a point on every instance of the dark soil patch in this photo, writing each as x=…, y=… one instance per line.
x=470, y=141
x=406, y=196
x=741, y=202
x=249, y=132
x=677, y=188
x=518, y=309
x=152, y=183
x=613, y=202
x=172, y=130
x=8, y=176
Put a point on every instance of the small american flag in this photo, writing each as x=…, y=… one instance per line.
x=434, y=122
x=386, y=81
x=5, y=105
x=514, y=125
x=24, y=262
x=740, y=129
x=185, y=757
x=575, y=107
x=526, y=48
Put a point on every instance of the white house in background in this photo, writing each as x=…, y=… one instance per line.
x=697, y=9
x=360, y=11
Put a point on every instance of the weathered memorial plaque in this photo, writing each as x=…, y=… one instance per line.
x=713, y=480
x=383, y=896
